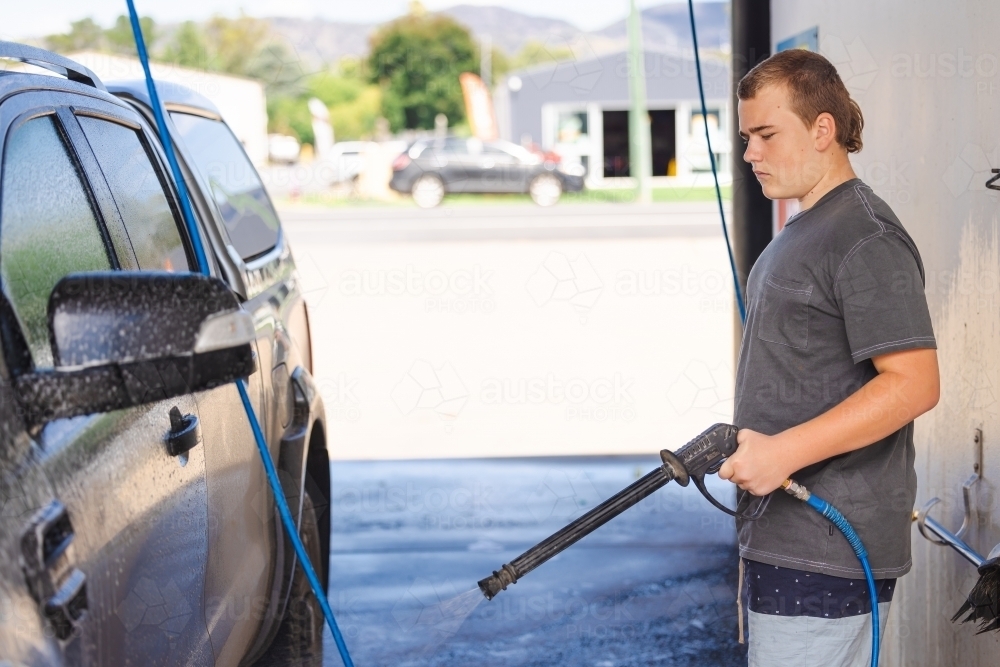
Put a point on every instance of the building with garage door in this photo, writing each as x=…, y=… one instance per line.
x=579, y=109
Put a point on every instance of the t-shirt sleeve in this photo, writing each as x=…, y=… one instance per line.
x=880, y=291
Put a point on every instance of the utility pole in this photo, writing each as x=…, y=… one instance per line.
x=486, y=61
x=638, y=117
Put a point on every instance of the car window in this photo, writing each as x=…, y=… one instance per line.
x=455, y=146
x=138, y=191
x=48, y=227
x=250, y=220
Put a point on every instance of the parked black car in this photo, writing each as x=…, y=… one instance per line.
x=430, y=168
x=136, y=523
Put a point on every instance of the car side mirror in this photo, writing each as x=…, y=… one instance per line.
x=121, y=339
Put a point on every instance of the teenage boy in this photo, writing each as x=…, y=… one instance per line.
x=837, y=360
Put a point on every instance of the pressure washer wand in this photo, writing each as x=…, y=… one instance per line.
x=703, y=455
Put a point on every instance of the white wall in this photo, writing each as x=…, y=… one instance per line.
x=240, y=101
x=927, y=77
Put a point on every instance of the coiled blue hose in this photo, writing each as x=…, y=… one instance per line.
x=837, y=519
x=199, y=251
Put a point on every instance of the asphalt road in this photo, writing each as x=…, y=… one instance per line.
x=470, y=331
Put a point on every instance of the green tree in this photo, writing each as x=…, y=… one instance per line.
x=290, y=115
x=235, y=43
x=188, y=47
x=83, y=35
x=416, y=60
x=538, y=53
x=120, y=39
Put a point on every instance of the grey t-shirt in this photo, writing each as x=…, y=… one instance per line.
x=840, y=284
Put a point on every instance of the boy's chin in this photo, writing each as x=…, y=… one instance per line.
x=773, y=191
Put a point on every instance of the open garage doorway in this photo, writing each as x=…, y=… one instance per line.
x=663, y=143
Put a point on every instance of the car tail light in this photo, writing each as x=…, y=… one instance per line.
x=401, y=162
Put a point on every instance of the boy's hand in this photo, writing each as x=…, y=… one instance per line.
x=756, y=466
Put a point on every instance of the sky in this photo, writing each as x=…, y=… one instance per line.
x=43, y=17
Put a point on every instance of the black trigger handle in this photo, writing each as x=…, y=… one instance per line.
x=750, y=515
x=699, y=481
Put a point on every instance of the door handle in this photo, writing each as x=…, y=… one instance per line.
x=185, y=433
x=66, y=608
x=45, y=561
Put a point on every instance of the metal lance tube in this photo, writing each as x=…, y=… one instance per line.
x=693, y=460
x=569, y=535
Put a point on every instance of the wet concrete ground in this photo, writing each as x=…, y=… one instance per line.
x=656, y=586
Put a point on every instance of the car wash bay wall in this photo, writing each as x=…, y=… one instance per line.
x=927, y=77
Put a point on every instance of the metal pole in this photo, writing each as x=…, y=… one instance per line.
x=752, y=211
x=638, y=117
x=486, y=61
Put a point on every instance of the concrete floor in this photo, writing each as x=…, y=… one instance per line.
x=655, y=586
x=515, y=330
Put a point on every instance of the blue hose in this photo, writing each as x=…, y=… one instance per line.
x=202, y=260
x=837, y=519
x=715, y=174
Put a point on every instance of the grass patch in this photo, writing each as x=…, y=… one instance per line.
x=603, y=196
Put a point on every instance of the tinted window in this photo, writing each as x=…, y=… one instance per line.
x=138, y=192
x=246, y=211
x=48, y=227
x=455, y=146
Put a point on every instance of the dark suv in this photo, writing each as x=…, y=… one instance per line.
x=136, y=523
x=432, y=167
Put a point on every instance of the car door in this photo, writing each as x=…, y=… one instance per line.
x=134, y=517
x=462, y=170
x=501, y=171
x=246, y=577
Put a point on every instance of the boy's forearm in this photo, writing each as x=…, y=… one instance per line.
x=881, y=407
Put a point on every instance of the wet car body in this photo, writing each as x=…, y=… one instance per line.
x=113, y=549
x=471, y=165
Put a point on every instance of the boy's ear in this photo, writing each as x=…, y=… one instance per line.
x=824, y=131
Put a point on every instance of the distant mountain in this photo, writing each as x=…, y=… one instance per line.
x=318, y=42
x=511, y=30
x=666, y=27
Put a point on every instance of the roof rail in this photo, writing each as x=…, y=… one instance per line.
x=32, y=55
